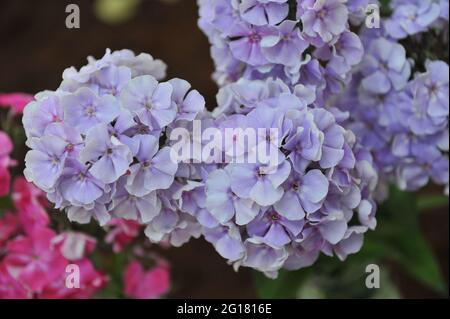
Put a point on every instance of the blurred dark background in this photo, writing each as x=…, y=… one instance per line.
x=35, y=47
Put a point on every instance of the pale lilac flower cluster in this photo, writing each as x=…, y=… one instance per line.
x=317, y=197
x=402, y=121
x=307, y=41
x=402, y=117
x=412, y=17
x=384, y=104
x=99, y=145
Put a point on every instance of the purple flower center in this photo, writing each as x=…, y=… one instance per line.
x=384, y=65
x=146, y=164
x=148, y=105
x=261, y=171
x=55, y=160
x=112, y=91
x=433, y=88
x=90, y=110
x=412, y=17
x=273, y=217
x=81, y=176
x=286, y=37
x=322, y=14
x=142, y=129
x=254, y=38
x=70, y=147
x=56, y=119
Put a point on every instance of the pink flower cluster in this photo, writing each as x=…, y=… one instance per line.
x=6, y=147
x=139, y=283
x=34, y=259
x=121, y=232
x=15, y=101
x=150, y=284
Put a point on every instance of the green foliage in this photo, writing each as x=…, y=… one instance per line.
x=431, y=202
x=5, y=205
x=385, y=9
x=114, y=265
x=284, y=287
x=400, y=236
x=328, y=278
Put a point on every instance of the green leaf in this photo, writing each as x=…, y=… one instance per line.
x=387, y=290
x=5, y=204
x=399, y=233
x=385, y=9
x=112, y=291
x=113, y=264
x=285, y=286
x=428, y=202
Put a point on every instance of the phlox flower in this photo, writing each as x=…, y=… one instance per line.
x=15, y=101
x=142, y=284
